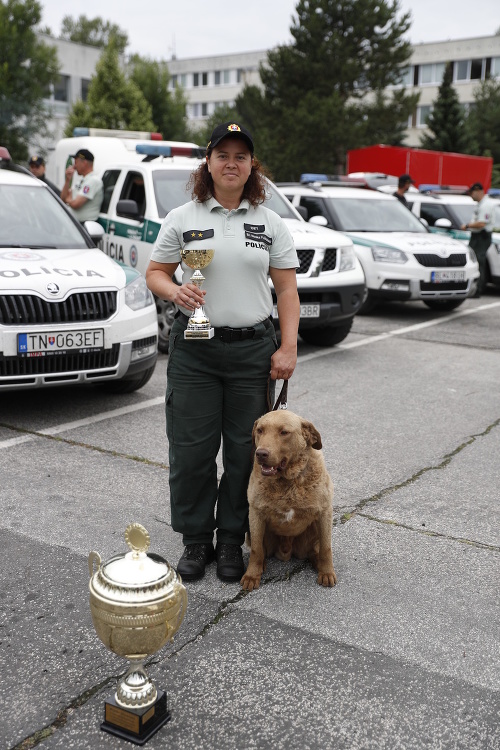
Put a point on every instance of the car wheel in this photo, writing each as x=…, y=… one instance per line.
x=443, y=304
x=127, y=385
x=166, y=312
x=327, y=336
x=370, y=302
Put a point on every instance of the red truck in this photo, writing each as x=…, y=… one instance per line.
x=425, y=167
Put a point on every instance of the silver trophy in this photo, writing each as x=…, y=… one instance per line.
x=198, y=326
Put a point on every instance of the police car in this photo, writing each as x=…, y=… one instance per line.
x=401, y=259
x=139, y=194
x=445, y=212
x=68, y=313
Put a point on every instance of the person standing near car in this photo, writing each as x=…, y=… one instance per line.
x=84, y=198
x=218, y=387
x=36, y=166
x=404, y=183
x=480, y=228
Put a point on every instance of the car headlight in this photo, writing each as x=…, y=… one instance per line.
x=347, y=259
x=383, y=254
x=472, y=255
x=137, y=294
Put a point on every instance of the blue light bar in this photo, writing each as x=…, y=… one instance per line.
x=311, y=177
x=494, y=192
x=150, y=149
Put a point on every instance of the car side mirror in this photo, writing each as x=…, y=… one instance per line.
x=443, y=223
x=321, y=221
x=129, y=209
x=424, y=222
x=95, y=230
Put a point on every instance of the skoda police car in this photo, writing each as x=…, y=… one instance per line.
x=140, y=191
x=401, y=259
x=68, y=313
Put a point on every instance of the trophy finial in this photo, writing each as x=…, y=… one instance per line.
x=137, y=537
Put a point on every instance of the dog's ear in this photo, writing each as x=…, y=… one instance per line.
x=253, y=434
x=311, y=435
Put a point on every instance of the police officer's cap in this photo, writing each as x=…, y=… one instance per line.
x=230, y=129
x=83, y=153
x=36, y=161
x=475, y=186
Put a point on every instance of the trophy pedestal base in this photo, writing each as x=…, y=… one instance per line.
x=208, y=333
x=136, y=725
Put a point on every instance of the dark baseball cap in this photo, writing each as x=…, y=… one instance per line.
x=230, y=129
x=475, y=186
x=83, y=154
x=404, y=179
x=36, y=161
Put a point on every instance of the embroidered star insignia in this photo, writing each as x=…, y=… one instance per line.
x=200, y=234
x=193, y=234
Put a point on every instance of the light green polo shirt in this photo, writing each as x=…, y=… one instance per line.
x=247, y=242
x=484, y=211
x=90, y=187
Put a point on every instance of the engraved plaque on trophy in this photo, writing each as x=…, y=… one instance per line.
x=198, y=326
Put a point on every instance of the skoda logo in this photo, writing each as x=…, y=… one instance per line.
x=52, y=288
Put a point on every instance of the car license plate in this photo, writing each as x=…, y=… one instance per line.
x=40, y=344
x=438, y=277
x=306, y=311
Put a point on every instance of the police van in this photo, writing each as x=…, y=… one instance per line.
x=142, y=186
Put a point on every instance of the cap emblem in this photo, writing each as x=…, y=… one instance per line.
x=234, y=128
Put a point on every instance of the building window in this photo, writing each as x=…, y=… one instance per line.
x=432, y=73
x=226, y=76
x=85, y=83
x=406, y=76
x=61, y=89
x=462, y=70
x=422, y=115
x=217, y=78
x=476, y=70
x=204, y=109
x=204, y=79
x=495, y=67
x=196, y=78
x=173, y=81
x=184, y=80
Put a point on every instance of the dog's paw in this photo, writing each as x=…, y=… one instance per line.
x=249, y=582
x=327, y=578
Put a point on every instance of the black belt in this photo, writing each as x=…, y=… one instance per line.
x=228, y=334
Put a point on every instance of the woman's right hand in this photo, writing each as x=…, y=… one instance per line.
x=188, y=296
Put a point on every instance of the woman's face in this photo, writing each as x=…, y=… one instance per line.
x=230, y=164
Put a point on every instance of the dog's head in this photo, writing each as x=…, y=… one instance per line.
x=283, y=441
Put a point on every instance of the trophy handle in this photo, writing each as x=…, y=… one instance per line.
x=182, y=610
x=94, y=557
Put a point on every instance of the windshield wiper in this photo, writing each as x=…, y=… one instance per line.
x=32, y=247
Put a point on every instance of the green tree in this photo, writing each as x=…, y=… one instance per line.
x=93, y=31
x=27, y=68
x=222, y=113
x=446, y=122
x=482, y=124
x=113, y=101
x=322, y=91
x=168, y=109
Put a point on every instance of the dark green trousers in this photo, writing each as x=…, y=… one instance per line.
x=215, y=390
x=480, y=242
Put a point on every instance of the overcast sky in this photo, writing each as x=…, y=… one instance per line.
x=192, y=28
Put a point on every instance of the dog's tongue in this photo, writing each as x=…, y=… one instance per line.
x=269, y=471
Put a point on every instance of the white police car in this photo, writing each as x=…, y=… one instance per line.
x=138, y=196
x=68, y=314
x=401, y=259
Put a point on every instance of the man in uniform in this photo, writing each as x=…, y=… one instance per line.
x=404, y=183
x=85, y=197
x=36, y=166
x=480, y=228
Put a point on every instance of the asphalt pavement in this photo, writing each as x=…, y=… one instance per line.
x=402, y=654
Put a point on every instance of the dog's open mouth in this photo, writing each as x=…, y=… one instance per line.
x=271, y=471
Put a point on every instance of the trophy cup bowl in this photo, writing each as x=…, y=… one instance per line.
x=198, y=326
x=137, y=603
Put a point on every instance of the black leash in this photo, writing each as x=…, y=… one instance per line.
x=281, y=401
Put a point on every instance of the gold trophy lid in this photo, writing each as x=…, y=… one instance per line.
x=136, y=568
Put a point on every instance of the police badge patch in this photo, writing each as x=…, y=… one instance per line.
x=255, y=232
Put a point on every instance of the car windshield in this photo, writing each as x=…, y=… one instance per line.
x=463, y=211
x=278, y=203
x=361, y=215
x=30, y=216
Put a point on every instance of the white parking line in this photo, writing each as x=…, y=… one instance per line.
x=305, y=358
x=84, y=422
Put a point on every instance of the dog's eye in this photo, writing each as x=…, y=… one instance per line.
x=284, y=432
x=258, y=430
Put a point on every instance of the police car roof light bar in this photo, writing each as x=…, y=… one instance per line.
x=430, y=188
x=152, y=150
x=105, y=133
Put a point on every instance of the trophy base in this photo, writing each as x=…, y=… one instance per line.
x=207, y=333
x=136, y=725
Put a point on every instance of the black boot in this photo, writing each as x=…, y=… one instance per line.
x=195, y=557
x=229, y=562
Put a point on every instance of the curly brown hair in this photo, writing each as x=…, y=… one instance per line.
x=201, y=183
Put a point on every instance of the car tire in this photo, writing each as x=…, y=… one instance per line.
x=166, y=313
x=443, y=304
x=370, y=302
x=127, y=385
x=327, y=336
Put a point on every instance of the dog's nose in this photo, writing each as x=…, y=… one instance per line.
x=261, y=453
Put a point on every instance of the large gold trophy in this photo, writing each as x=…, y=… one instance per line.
x=198, y=326
x=137, y=602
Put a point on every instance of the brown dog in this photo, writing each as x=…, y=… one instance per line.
x=290, y=497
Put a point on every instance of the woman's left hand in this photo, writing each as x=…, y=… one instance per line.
x=283, y=364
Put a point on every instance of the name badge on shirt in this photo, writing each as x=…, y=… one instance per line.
x=255, y=232
x=197, y=234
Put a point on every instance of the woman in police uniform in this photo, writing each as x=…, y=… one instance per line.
x=218, y=387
